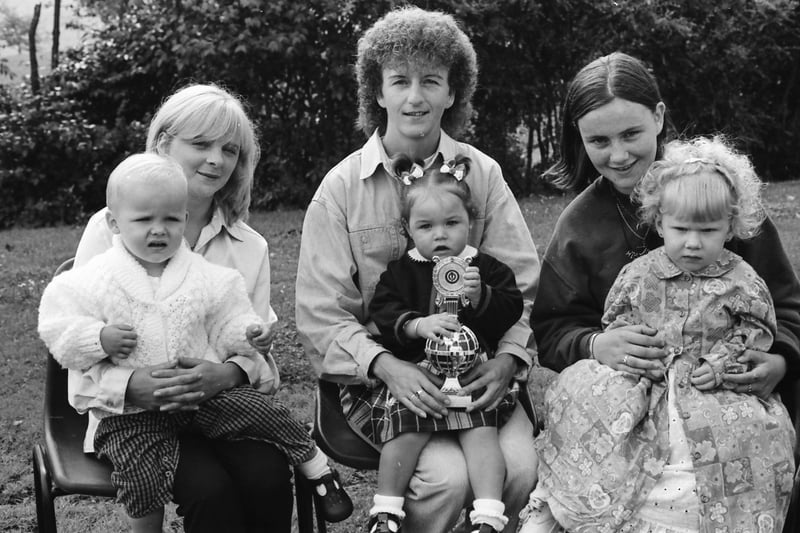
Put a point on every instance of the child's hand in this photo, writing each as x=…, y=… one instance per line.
x=704, y=378
x=436, y=327
x=259, y=337
x=118, y=340
x=472, y=285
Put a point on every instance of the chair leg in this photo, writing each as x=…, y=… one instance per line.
x=45, y=508
x=304, y=496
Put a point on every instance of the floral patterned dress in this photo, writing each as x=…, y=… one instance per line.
x=611, y=437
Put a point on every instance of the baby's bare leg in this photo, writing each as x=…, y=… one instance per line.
x=150, y=523
x=399, y=458
x=485, y=463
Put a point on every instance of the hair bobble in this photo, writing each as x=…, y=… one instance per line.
x=408, y=176
x=457, y=170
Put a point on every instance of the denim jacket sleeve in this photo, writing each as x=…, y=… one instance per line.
x=330, y=308
x=506, y=237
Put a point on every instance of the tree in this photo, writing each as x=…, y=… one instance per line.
x=37, y=9
x=730, y=66
x=56, y=33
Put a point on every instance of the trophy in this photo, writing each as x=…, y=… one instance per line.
x=452, y=356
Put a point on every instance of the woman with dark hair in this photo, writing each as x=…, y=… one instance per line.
x=613, y=130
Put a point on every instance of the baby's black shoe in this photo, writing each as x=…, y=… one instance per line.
x=384, y=523
x=331, y=498
x=485, y=528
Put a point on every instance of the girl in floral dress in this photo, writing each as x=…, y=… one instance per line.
x=723, y=458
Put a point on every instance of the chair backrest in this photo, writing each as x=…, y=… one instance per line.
x=66, y=265
x=71, y=470
x=335, y=436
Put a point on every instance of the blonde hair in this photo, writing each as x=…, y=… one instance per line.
x=209, y=112
x=703, y=179
x=143, y=170
x=411, y=35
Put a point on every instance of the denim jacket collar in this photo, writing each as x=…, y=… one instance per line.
x=373, y=154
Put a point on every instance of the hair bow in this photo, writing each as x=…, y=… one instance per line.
x=457, y=170
x=410, y=175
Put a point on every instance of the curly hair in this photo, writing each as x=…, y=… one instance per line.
x=703, y=179
x=617, y=75
x=413, y=35
x=433, y=183
x=211, y=113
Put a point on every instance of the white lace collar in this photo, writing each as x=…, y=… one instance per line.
x=467, y=252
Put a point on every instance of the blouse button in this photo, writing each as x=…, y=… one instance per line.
x=704, y=499
x=696, y=455
x=686, y=415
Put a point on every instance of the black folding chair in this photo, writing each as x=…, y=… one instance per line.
x=337, y=439
x=60, y=466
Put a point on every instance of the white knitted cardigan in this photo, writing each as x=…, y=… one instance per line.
x=199, y=310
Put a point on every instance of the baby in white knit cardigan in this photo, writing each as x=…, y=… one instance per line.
x=150, y=300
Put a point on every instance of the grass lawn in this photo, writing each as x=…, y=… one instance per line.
x=29, y=256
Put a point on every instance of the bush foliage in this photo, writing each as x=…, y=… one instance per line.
x=729, y=65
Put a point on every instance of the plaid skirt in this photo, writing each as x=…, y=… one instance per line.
x=379, y=417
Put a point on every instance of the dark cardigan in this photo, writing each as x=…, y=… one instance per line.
x=404, y=292
x=587, y=251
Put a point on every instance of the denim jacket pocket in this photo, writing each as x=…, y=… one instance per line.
x=373, y=248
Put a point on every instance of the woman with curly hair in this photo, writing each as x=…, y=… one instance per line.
x=416, y=72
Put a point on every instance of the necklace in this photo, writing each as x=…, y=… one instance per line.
x=633, y=252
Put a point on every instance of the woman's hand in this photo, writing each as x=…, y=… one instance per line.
x=493, y=378
x=146, y=386
x=766, y=371
x=181, y=387
x=415, y=387
x=636, y=349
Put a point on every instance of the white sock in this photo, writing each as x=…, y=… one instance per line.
x=488, y=511
x=316, y=467
x=388, y=504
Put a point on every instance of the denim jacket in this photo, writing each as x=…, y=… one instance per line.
x=352, y=229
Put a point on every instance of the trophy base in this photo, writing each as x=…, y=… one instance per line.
x=451, y=387
x=458, y=402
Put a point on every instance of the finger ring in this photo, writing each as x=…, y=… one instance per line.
x=420, y=391
x=625, y=360
x=750, y=388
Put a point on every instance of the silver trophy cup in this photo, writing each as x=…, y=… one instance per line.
x=452, y=356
